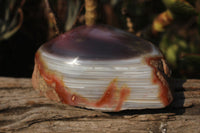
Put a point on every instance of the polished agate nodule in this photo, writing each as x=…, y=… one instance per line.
x=102, y=68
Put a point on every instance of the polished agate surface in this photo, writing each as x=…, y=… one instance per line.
x=98, y=43
x=103, y=68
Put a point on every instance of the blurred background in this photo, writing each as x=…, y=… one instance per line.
x=172, y=25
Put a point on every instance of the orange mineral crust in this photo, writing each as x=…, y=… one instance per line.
x=158, y=78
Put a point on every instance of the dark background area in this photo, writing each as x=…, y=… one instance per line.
x=17, y=52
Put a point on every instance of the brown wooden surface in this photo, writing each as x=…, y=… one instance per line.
x=22, y=109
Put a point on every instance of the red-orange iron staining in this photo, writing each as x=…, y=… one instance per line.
x=109, y=97
x=124, y=93
x=164, y=88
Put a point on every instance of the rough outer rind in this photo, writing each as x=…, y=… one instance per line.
x=160, y=76
x=40, y=85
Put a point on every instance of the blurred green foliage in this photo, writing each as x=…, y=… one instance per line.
x=11, y=17
x=181, y=44
x=181, y=7
x=183, y=56
x=180, y=39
